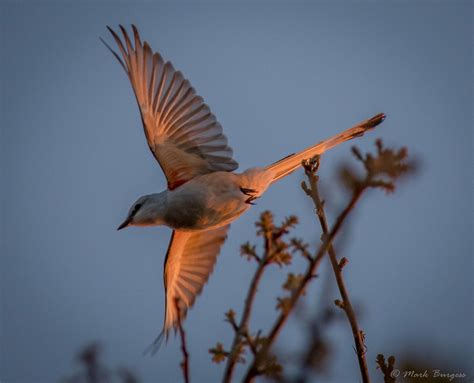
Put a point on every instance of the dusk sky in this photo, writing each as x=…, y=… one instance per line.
x=279, y=77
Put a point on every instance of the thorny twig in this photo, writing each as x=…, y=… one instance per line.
x=381, y=172
x=311, y=168
x=182, y=334
x=241, y=329
x=271, y=235
x=255, y=367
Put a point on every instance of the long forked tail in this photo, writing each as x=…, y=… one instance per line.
x=288, y=164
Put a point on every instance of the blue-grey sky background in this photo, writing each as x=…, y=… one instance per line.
x=278, y=77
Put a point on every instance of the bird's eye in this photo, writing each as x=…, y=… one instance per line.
x=136, y=208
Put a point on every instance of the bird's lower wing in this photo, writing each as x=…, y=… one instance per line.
x=189, y=262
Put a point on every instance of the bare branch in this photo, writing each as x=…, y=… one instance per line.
x=241, y=329
x=275, y=252
x=185, y=362
x=382, y=170
x=255, y=367
x=311, y=168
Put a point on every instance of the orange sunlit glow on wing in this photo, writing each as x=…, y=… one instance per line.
x=182, y=133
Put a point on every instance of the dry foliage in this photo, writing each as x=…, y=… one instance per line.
x=253, y=347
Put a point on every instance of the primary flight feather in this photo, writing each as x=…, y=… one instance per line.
x=204, y=195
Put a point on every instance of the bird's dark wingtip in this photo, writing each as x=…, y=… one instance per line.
x=376, y=120
x=153, y=348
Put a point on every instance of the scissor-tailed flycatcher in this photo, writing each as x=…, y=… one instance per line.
x=204, y=195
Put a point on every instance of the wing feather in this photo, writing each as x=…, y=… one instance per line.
x=189, y=262
x=182, y=132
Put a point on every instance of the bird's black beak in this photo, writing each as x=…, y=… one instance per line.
x=124, y=224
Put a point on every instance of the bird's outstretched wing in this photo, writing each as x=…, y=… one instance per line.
x=182, y=133
x=189, y=262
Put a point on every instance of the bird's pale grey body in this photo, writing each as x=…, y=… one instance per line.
x=204, y=194
x=206, y=202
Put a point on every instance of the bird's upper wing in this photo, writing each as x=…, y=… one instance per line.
x=189, y=262
x=182, y=133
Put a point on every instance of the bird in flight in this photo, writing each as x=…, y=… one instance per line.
x=204, y=193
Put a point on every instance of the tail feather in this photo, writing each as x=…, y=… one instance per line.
x=290, y=163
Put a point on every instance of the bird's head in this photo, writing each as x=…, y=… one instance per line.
x=146, y=211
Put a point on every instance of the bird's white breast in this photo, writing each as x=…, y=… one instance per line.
x=213, y=200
